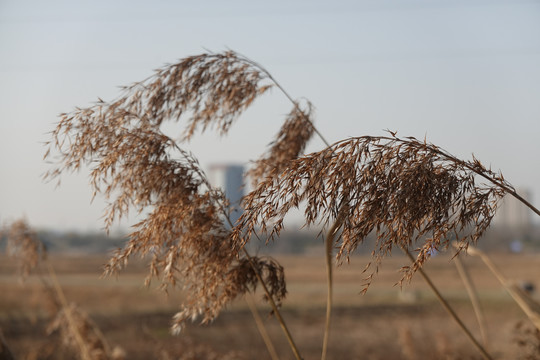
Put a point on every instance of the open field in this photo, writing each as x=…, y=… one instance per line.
x=386, y=323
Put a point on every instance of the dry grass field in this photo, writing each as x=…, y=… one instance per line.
x=386, y=323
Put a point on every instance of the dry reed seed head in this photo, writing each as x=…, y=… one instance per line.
x=218, y=88
x=244, y=276
x=209, y=295
x=24, y=245
x=409, y=193
x=210, y=90
x=79, y=333
x=136, y=166
x=190, y=247
x=289, y=143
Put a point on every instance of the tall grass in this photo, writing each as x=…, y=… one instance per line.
x=411, y=194
x=78, y=332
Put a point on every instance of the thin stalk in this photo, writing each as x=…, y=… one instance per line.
x=489, y=264
x=273, y=304
x=473, y=296
x=297, y=107
x=275, y=308
x=450, y=310
x=528, y=305
x=262, y=329
x=329, y=242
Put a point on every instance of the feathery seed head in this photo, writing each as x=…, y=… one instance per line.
x=290, y=142
x=23, y=244
x=405, y=191
x=137, y=167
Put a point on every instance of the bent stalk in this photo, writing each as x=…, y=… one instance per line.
x=262, y=329
x=275, y=309
x=473, y=296
x=528, y=305
x=450, y=310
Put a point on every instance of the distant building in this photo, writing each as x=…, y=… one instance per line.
x=230, y=178
x=512, y=213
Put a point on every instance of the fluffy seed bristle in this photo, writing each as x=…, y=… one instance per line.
x=405, y=191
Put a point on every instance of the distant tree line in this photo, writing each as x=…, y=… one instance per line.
x=76, y=242
x=498, y=238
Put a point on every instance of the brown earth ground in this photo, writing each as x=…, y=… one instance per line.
x=388, y=322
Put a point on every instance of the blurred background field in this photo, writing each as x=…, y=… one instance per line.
x=388, y=322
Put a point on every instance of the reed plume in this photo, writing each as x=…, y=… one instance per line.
x=289, y=143
x=137, y=167
x=409, y=193
x=78, y=332
x=24, y=245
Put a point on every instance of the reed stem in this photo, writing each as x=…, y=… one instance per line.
x=450, y=310
x=473, y=296
x=262, y=329
x=329, y=281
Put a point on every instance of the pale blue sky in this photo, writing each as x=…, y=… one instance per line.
x=465, y=74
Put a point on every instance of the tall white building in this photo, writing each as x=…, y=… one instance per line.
x=230, y=178
x=512, y=213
